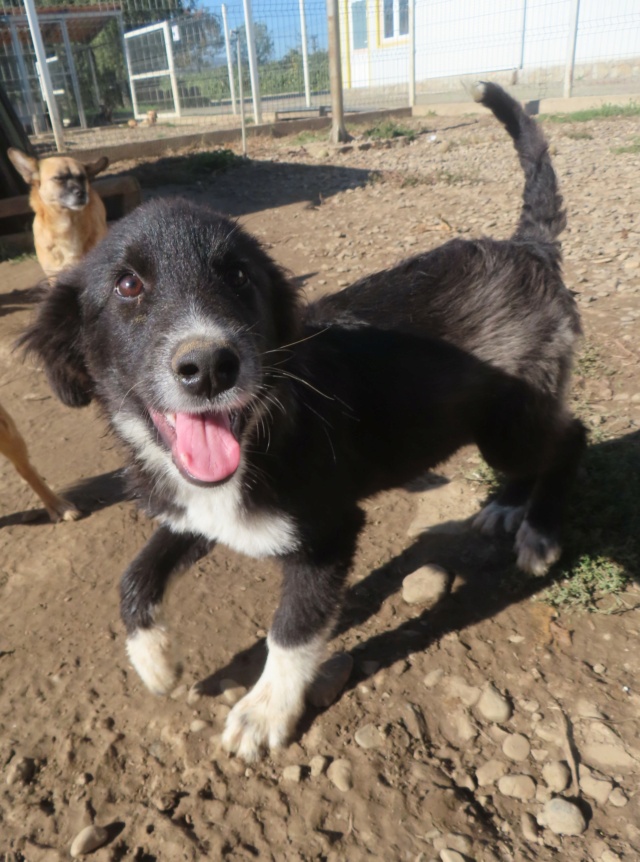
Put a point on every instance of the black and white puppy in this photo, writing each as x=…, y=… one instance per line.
x=258, y=422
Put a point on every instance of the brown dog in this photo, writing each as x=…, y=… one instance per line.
x=15, y=449
x=70, y=216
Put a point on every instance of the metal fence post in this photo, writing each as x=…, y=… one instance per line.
x=523, y=33
x=412, y=53
x=74, y=75
x=227, y=44
x=37, y=117
x=305, y=55
x=45, y=77
x=339, y=132
x=241, y=99
x=571, y=49
x=253, y=62
x=172, y=67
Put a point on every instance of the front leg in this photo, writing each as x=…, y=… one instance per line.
x=312, y=589
x=142, y=590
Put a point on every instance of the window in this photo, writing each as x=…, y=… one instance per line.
x=395, y=18
x=359, y=24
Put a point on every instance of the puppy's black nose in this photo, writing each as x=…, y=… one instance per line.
x=205, y=369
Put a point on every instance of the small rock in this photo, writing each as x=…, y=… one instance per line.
x=21, y=770
x=88, y=840
x=494, y=706
x=194, y=694
x=529, y=827
x=516, y=747
x=609, y=856
x=557, y=775
x=458, y=687
x=425, y=586
x=318, y=765
x=562, y=817
x=166, y=801
x=232, y=691
x=598, y=668
x=454, y=841
x=490, y=772
x=517, y=786
x=368, y=736
x=292, y=773
x=448, y=855
x=198, y=724
x=595, y=787
x=433, y=678
x=331, y=679
x=340, y=774
x=618, y=798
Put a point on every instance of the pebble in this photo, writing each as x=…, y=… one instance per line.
x=318, y=765
x=516, y=747
x=20, y=770
x=453, y=841
x=194, y=694
x=292, y=773
x=448, y=855
x=517, y=786
x=562, y=817
x=432, y=679
x=426, y=586
x=331, y=679
x=459, y=688
x=490, y=772
x=494, y=706
x=618, y=797
x=198, y=724
x=529, y=827
x=340, y=774
x=595, y=787
x=368, y=736
x=232, y=691
x=557, y=775
x=88, y=840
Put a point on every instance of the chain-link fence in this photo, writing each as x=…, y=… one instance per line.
x=145, y=68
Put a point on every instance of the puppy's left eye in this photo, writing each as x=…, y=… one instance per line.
x=238, y=277
x=129, y=286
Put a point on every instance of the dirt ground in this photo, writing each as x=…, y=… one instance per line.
x=458, y=723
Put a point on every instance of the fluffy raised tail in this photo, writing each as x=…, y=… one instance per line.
x=542, y=217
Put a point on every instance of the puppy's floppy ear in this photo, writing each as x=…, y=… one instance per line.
x=55, y=337
x=26, y=165
x=94, y=168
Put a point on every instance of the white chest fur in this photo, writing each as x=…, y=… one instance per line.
x=219, y=515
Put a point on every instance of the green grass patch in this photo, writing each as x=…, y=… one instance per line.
x=601, y=113
x=630, y=148
x=386, y=129
x=309, y=137
x=14, y=256
x=183, y=170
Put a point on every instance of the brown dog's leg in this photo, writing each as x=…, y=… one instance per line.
x=15, y=449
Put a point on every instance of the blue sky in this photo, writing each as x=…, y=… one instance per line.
x=282, y=17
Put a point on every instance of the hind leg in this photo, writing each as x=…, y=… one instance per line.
x=538, y=446
x=507, y=510
x=538, y=539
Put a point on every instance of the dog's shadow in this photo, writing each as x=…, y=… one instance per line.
x=89, y=496
x=603, y=525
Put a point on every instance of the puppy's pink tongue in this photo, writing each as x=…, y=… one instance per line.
x=205, y=446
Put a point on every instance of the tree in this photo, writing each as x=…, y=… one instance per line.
x=264, y=43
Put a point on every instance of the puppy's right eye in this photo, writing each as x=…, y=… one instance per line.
x=129, y=286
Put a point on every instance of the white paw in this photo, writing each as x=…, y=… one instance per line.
x=267, y=716
x=536, y=552
x=264, y=719
x=495, y=517
x=152, y=655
